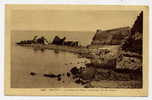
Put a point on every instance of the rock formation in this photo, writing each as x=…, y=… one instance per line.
x=134, y=41
x=58, y=41
x=110, y=37
x=35, y=40
x=61, y=41
x=130, y=56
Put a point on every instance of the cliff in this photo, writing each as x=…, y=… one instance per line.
x=110, y=37
x=130, y=56
x=134, y=41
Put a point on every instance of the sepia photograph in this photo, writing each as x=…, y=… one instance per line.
x=76, y=47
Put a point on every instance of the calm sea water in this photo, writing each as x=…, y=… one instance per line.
x=25, y=60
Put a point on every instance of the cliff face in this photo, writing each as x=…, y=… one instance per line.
x=130, y=41
x=134, y=42
x=110, y=37
x=131, y=54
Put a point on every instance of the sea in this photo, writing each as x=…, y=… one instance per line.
x=25, y=60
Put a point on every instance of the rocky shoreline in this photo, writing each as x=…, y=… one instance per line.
x=102, y=68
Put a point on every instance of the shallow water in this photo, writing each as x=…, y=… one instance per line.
x=25, y=60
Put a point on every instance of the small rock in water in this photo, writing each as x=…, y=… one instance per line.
x=50, y=75
x=59, y=78
x=74, y=70
x=68, y=74
x=59, y=75
x=32, y=73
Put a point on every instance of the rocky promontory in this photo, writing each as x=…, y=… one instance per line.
x=110, y=37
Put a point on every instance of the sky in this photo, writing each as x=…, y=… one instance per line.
x=70, y=20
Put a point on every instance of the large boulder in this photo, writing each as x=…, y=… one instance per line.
x=88, y=73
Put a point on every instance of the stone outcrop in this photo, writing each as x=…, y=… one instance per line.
x=61, y=41
x=133, y=42
x=130, y=56
x=130, y=40
x=110, y=37
x=58, y=41
x=35, y=40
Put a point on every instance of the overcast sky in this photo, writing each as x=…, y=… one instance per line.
x=77, y=20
